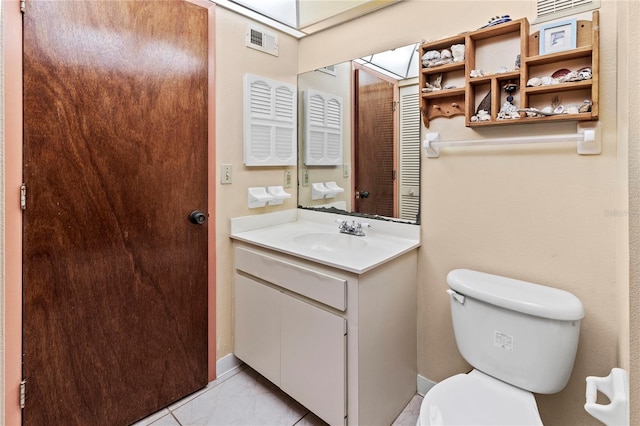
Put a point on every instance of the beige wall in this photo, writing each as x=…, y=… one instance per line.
x=542, y=214
x=630, y=15
x=232, y=61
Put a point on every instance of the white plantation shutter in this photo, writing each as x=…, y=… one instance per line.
x=322, y=129
x=270, y=123
x=409, y=203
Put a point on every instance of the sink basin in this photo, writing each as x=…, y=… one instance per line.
x=330, y=242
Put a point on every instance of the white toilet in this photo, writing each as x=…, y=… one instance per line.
x=519, y=337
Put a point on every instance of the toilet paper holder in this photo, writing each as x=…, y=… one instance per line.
x=616, y=387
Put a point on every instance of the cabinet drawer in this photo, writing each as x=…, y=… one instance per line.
x=327, y=289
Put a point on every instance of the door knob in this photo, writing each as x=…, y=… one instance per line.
x=197, y=217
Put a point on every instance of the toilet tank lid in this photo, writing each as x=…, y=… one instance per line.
x=520, y=296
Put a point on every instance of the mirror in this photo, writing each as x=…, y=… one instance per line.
x=359, y=137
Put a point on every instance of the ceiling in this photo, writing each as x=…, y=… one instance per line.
x=304, y=17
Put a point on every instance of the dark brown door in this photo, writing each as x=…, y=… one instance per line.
x=375, y=164
x=115, y=160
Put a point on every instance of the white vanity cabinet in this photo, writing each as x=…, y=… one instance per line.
x=340, y=343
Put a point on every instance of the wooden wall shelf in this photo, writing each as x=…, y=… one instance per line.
x=512, y=39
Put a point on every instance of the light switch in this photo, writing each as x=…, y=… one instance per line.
x=225, y=174
x=287, y=179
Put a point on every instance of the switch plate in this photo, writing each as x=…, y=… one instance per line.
x=287, y=179
x=225, y=174
x=345, y=170
x=305, y=177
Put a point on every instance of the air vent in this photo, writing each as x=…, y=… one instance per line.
x=262, y=40
x=552, y=9
x=331, y=70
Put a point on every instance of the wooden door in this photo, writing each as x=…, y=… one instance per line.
x=374, y=145
x=115, y=160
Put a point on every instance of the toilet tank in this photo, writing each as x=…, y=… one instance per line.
x=522, y=333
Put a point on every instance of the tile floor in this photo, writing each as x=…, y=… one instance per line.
x=243, y=397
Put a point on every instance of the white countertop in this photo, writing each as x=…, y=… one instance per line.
x=282, y=231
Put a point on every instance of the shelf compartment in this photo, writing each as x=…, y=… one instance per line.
x=580, y=52
x=558, y=88
x=450, y=103
x=587, y=116
x=459, y=91
x=585, y=36
x=501, y=29
x=454, y=66
x=511, y=75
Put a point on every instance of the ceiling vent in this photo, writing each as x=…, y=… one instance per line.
x=331, y=70
x=553, y=9
x=262, y=40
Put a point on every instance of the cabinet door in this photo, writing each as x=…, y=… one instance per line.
x=314, y=358
x=257, y=326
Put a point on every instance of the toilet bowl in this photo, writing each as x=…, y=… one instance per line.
x=519, y=337
x=476, y=399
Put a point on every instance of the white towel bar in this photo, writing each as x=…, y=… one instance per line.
x=587, y=138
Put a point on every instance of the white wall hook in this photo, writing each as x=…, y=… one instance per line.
x=258, y=197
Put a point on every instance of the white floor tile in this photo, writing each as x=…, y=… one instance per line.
x=152, y=418
x=167, y=420
x=243, y=397
x=311, y=420
x=246, y=399
x=209, y=386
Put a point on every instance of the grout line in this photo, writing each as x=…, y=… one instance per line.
x=303, y=416
x=174, y=418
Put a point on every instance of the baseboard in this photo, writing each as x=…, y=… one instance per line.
x=424, y=385
x=226, y=364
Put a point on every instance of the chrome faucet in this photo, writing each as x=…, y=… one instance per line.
x=355, y=228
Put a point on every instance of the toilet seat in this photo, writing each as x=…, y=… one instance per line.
x=477, y=399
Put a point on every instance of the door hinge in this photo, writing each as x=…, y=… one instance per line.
x=23, y=196
x=23, y=392
x=23, y=6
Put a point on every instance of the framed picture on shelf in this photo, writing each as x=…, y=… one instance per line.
x=558, y=36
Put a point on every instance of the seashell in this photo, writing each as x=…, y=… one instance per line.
x=430, y=55
x=547, y=110
x=572, y=110
x=457, y=50
x=586, y=106
x=446, y=53
x=585, y=73
x=501, y=70
x=546, y=80
x=560, y=73
x=476, y=73
x=572, y=76
x=534, y=82
x=558, y=110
